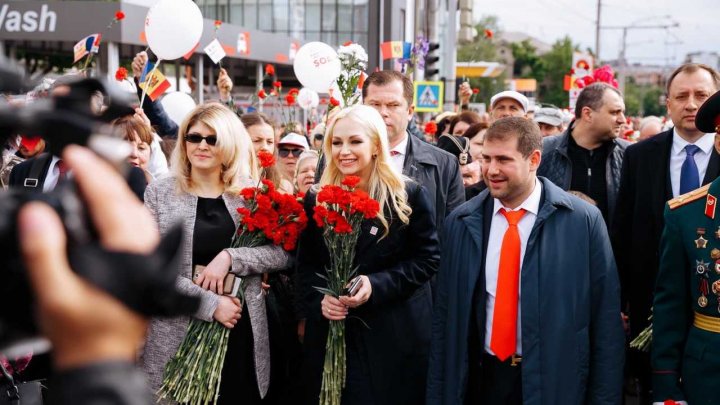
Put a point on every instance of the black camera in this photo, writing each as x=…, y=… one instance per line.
x=145, y=283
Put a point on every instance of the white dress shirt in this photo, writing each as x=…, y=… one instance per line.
x=677, y=157
x=398, y=161
x=498, y=226
x=53, y=174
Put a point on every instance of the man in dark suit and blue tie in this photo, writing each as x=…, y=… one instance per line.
x=656, y=170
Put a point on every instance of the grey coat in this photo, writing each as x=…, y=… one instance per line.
x=169, y=205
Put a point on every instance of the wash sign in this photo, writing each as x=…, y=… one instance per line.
x=428, y=96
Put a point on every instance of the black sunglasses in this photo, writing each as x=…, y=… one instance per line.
x=286, y=152
x=197, y=138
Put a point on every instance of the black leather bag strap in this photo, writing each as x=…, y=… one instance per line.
x=35, y=180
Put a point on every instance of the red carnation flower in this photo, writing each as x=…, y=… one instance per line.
x=351, y=181
x=277, y=84
x=290, y=99
x=119, y=15
x=334, y=102
x=261, y=93
x=121, y=74
x=294, y=92
x=266, y=158
x=489, y=34
x=347, y=43
x=431, y=128
x=270, y=70
x=476, y=91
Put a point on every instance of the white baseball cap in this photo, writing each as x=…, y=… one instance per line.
x=514, y=95
x=294, y=139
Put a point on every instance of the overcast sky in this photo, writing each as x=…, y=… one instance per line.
x=549, y=20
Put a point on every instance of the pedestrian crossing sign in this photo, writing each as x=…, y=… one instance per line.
x=428, y=96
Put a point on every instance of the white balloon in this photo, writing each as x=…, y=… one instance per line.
x=308, y=98
x=317, y=66
x=173, y=28
x=177, y=105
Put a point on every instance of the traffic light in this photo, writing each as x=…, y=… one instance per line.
x=431, y=60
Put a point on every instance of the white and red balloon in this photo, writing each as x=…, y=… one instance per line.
x=316, y=66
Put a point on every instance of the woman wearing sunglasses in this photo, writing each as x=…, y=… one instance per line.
x=290, y=147
x=388, y=317
x=212, y=159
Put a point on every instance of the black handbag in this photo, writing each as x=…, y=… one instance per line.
x=19, y=393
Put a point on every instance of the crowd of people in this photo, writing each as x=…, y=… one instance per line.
x=514, y=257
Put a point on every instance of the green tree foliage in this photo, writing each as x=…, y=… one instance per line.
x=643, y=100
x=557, y=64
x=527, y=62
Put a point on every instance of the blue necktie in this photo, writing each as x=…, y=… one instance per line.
x=689, y=177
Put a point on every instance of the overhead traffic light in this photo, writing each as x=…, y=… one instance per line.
x=431, y=60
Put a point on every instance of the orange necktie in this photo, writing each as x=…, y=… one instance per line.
x=504, y=327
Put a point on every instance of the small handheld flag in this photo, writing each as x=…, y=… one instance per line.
x=89, y=44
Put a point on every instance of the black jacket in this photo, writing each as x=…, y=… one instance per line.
x=135, y=177
x=439, y=172
x=556, y=166
x=396, y=340
x=644, y=189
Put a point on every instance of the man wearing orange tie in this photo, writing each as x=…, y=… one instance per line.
x=528, y=298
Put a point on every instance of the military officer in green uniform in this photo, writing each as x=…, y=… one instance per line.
x=686, y=313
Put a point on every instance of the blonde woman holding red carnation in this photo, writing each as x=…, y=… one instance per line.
x=213, y=158
x=387, y=320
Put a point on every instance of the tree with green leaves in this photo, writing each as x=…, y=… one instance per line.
x=557, y=64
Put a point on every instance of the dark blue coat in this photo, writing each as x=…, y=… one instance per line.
x=572, y=335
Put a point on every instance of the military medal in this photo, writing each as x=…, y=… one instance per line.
x=701, y=267
x=700, y=242
x=703, y=301
x=715, y=254
x=716, y=287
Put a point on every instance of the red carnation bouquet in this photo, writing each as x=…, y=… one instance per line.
x=340, y=212
x=192, y=376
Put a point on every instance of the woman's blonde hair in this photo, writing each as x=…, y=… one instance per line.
x=233, y=146
x=386, y=184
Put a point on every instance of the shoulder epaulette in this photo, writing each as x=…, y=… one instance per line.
x=696, y=194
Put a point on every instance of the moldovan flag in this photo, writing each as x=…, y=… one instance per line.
x=395, y=49
x=91, y=43
x=158, y=83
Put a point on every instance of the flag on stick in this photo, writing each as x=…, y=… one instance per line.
x=89, y=44
x=395, y=49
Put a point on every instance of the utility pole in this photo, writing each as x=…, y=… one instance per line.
x=622, y=59
x=597, y=33
x=450, y=53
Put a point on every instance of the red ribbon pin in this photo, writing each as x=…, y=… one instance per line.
x=710, y=206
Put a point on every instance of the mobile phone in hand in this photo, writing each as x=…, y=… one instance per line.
x=354, y=286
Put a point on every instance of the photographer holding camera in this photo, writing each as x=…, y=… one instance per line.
x=94, y=336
